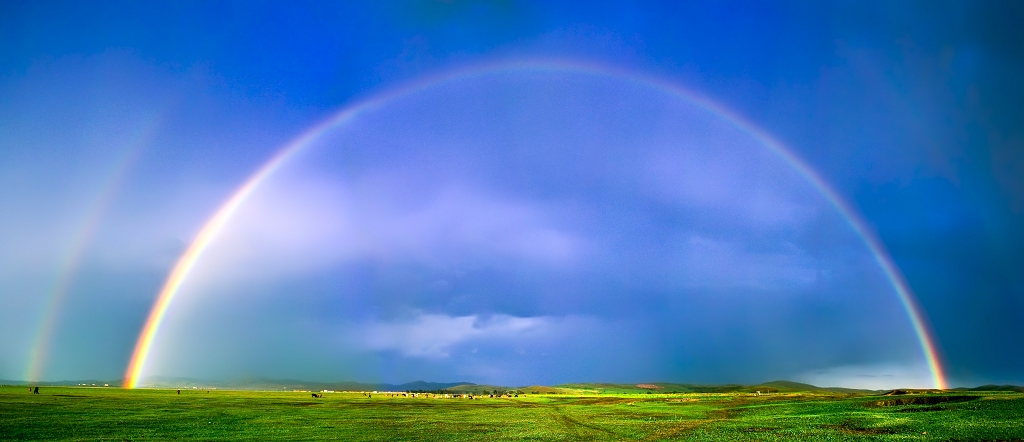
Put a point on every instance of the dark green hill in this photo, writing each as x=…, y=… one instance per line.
x=995, y=388
x=790, y=386
x=478, y=389
x=782, y=385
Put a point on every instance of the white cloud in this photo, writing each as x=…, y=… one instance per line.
x=296, y=225
x=434, y=336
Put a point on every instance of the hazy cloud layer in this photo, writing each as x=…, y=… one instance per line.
x=482, y=225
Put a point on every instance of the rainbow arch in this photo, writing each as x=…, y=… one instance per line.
x=220, y=218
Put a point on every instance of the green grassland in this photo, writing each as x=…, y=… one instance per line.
x=580, y=412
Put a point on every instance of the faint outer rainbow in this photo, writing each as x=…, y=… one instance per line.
x=70, y=259
x=217, y=222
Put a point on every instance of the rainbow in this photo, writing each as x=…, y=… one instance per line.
x=71, y=257
x=220, y=218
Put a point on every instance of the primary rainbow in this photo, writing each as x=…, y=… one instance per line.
x=216, y=223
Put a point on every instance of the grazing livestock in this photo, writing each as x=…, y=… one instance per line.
x=35, y=390
x=318, y=395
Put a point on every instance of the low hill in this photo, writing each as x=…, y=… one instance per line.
x=666, y=387
x=293, y=384
x=426, y=386
x=474, y=388
x=1016, y=388
x=543, y=389
x=790, y=386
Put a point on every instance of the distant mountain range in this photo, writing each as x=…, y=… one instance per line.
x=294, y=384
x=1016, y=388
x=264, y=384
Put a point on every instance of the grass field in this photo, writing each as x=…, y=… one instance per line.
x=68, y=413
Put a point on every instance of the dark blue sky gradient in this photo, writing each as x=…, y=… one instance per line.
x=911, y=110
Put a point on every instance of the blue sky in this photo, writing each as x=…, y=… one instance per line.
x=515, y=226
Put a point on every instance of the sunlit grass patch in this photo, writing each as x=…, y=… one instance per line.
x=62, y=413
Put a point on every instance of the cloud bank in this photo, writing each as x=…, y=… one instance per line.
x=433, y=336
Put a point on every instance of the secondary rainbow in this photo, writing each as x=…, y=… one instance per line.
x=220, y=218
x=71, y=257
